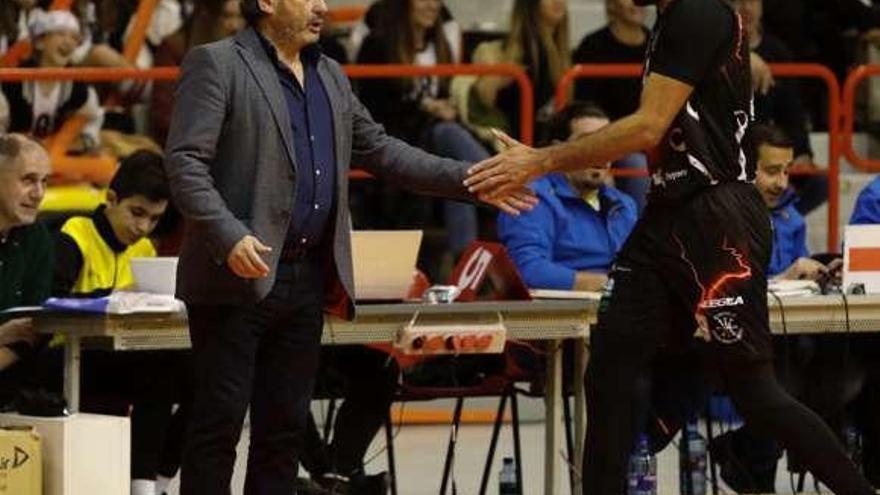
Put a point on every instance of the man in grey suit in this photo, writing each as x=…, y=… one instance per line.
x=263, y=133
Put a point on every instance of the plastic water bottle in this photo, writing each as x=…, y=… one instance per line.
x=852, y=442
x=507, y=484
x=692, y=461
x=642, y=478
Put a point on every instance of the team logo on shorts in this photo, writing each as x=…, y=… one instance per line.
x=724, y=302
x=725, y=328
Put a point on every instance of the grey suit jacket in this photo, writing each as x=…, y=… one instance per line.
x=232, y=168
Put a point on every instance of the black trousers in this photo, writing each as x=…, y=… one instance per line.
x=264, y=355
x=695, y=270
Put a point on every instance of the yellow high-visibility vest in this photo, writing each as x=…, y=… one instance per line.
x=102, y=267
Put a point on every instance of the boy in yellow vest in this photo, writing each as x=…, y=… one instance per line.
x=93, y=258
x=93, y=254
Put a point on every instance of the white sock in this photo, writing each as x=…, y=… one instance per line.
x=162, y=484
x=143, y=487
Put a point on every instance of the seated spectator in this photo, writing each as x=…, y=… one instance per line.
x=25, y=246
x=374, y=17
x=832, y=26
x=14, y=20
x=623, y=40
x=538, y=41
x=748, y=460
x=41, y=107
x=93, y=259
x=210, y=21
x=418, y=110
x=781, y=105
x=93, y=49
x=569, y=240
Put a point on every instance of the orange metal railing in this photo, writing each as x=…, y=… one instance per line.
x=813, y=71
x=98, y=169
x=22, y=49
x=138, y=35
x=74, y=166
x=346, y=13
x=850, y=87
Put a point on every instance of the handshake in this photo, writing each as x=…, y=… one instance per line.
x=502, y=179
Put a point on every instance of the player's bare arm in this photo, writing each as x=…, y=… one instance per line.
x=662, y=99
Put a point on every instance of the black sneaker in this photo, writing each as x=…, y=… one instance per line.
x=335, y=484
x=747, y=464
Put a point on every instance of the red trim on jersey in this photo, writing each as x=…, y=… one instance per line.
x=740, y=36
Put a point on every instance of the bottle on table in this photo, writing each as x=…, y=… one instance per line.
x=692, y=461
x=852, y=442
x=507, y=481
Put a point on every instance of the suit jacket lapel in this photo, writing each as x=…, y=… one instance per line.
x=257, y=60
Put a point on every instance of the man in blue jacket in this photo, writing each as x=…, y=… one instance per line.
x=569, y=240
x=790, y=259
x=867, y=208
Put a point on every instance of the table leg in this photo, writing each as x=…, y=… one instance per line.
x=581, y=355
x=72, y=348
x=553, y=418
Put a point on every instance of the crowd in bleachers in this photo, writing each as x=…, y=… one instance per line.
x=568, y=242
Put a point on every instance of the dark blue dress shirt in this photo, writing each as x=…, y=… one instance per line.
x=311, y=118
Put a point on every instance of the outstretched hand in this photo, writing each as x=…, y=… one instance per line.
x=513, y=202
x=506, y=173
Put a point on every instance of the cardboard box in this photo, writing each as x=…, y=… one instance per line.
x=83, y=454
x=21, y=466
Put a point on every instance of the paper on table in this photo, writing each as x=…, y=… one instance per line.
x=118, y=303
x=791, y=288
x=564, y=294
x=22, y=311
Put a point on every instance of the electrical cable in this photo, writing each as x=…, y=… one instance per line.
x=372, y=457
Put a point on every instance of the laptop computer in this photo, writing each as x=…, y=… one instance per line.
x=384, y=262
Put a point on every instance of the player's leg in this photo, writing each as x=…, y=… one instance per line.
x=622, y=346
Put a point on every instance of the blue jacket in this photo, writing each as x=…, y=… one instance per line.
x=563, y=234
x=867, y=208
x=789, y=235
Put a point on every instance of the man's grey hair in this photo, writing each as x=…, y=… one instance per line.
x=14, y=145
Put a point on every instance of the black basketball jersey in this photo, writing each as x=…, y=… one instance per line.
x=703, y=44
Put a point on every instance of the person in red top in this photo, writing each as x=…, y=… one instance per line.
x=693, y=272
